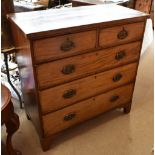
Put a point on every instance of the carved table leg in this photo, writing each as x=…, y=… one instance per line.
x=12, y=126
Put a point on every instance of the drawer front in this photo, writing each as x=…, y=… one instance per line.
x=65, y=70
x=64, y=118
x=63, y=46
x=60, y=96
x=121, y=34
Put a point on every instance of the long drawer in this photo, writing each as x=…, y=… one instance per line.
x=63, y=46
x=62, y=119
x=67, y=94
x=121, y=34
x=65, y=70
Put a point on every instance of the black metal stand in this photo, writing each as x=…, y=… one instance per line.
x=8, y=77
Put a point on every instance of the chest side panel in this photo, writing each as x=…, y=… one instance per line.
x=28, y=85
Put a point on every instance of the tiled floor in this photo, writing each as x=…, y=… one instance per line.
x=113, y=133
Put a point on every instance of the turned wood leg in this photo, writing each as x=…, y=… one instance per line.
x=127, y=108
x=12, y=126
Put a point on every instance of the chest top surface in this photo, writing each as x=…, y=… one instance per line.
x=56, y=19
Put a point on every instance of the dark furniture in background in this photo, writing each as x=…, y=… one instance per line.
x=146, y=6
x=6, y=38
x=21, y=6
x=10, y=119
x=152, y=13
x=143, y=5
x=76, y=3
x=24, y=7
x=7, y=45
x=53, y=3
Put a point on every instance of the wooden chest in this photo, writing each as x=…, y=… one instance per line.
x=76, y=63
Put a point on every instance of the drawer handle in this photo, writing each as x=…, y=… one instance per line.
x=114, y=98
x=69, y=93
x=120, y=55
x=69, y=116
x=67, y=45
x=122, y=34
x=68, y=69
x=117, y=77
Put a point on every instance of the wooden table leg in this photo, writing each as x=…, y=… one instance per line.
x=12, y=126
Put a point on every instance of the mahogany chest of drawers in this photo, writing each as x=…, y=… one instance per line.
x=76, y=63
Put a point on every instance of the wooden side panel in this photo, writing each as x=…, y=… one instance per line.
x=51, y=48
x=53, y=98
x=86, y=64
x=121, y=34
x=55, y=122
x=24, y=60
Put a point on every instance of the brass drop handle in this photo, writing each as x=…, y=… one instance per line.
x=68, y=69
x=69, y=93
x=114, y=98
x=117, y=77
x=67, y=45
x=120, y=55
x=69, y=116
x=122, y=34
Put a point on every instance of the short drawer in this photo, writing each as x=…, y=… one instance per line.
x=60, y=96
x=63, y=46
x=64, y=118
x=121, y=34
x=65, y=70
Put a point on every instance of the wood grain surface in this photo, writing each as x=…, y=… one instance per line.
x=28, y=86
x=50, y=48
x=85, y=64
x=52, y=99
x=5, y=97
x=86, y=38
x=39, y=23
x=109, y=36
x=54, y=122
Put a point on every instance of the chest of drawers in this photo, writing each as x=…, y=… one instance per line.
x=76, y=63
